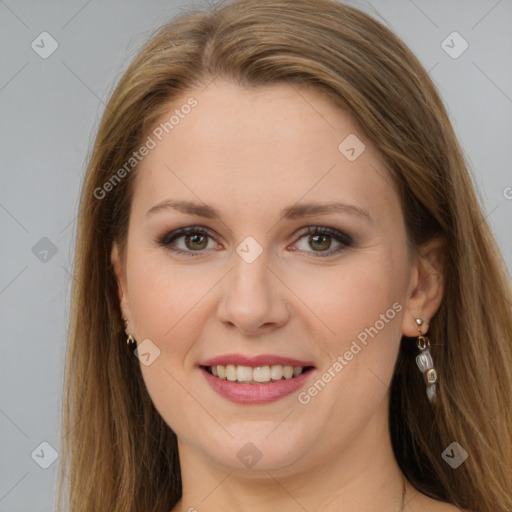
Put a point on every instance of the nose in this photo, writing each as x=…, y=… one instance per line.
x=253, y=298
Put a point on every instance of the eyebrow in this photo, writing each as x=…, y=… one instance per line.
x=291, y=212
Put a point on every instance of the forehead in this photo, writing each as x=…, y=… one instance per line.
x=259, y=146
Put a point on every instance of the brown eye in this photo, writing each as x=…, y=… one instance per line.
x=196, y=242
x=320, y=240
x=186, y=240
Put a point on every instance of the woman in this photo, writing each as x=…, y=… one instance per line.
x=278, y=219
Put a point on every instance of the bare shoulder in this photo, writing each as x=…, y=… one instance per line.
x=439, y=506
x=422, y=503
x=447, y=507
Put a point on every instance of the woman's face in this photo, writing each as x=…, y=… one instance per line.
x=249, y=289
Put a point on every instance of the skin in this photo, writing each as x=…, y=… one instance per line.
x=249, y=154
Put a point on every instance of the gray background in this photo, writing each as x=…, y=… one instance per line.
x=50, y=109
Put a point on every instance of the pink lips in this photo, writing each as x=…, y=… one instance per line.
x=261, y=360
x=257, y=393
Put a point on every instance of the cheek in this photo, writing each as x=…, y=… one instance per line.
x=164, y=299
x=167, y=305
x=170, y=303
x=347, y=299
x=360, y=307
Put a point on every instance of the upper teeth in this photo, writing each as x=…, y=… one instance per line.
x=257, y=374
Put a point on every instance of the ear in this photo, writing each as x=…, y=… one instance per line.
x=426, y=287
x=120, y=273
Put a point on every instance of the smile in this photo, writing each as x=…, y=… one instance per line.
x=255, y=380
x=255, y=375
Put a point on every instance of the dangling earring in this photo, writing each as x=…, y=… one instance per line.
x=426, y=364
x=130, y=338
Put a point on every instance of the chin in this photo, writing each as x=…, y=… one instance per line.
x=256, y=447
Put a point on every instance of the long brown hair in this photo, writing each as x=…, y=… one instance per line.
x=118, y=453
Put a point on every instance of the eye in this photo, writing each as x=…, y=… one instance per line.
x=320, y=240
x=192, y=239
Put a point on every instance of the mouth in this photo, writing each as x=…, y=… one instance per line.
x=256, y=380
x=256, y=375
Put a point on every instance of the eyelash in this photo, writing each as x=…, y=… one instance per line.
x=344, y=239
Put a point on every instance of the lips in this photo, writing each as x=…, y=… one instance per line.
x=255, y=380
x=261, y=360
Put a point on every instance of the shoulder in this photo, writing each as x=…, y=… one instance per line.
x=447, y=507
x=422, y=503
x=439, y=506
